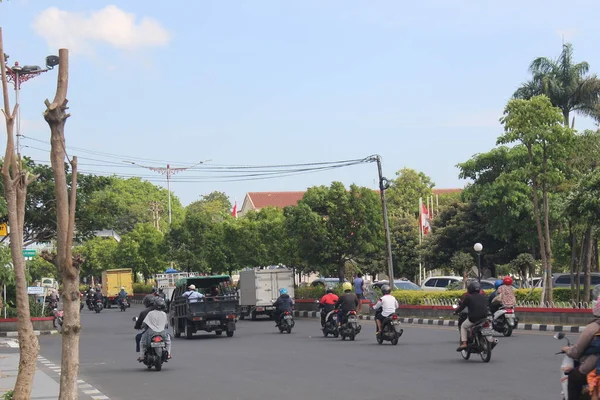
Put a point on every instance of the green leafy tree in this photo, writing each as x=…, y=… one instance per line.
x=99, y=255
x=334, y=225
x=216, y=204
x=125, y=203
x=523, y=266
x=40, y=268
x=143, y=250
x=404, y=232
x=567, y=85
x=405, y=191
x=462, y=263
x=537, y=125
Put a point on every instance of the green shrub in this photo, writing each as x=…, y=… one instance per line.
x=8, y=395
x=140, y=288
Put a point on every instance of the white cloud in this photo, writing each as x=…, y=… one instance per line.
x=80, y=31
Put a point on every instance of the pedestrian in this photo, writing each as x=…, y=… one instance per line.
x=359, y=289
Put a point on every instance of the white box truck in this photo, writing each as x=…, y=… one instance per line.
x=259, y=288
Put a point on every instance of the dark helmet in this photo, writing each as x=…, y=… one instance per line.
x=153, y=290
x=151, y=300
x=474, y=287
x=329, y=290
x=386, y=289
x=160, y=304
x=160, y=290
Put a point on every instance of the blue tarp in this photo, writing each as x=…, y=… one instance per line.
x=171, y=271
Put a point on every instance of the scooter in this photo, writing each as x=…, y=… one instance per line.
x=286, y=322
x=58, y=317
x=567, y=365
x=504, y=321
x=390, y=330
x=331, y=324
x=98, y=306
x=350, y=326
x=124, y=304
x=155, y=354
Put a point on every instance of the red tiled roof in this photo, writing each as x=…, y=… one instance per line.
x=275, y=199
x=446, y=191
x=283, y=199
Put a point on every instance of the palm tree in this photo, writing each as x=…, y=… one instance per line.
x=568, y=85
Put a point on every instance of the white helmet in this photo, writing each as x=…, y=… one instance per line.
x=122, y=287
x=192, y=287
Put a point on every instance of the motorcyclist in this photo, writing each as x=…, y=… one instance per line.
x=89, y=298
x=139, y=322
x=156, y=322
x=506, y=293
x=53, y=299
x=327, y=304
x=347, y=302
x=161, y=294
x=122, y=296
x=477, y=310
x=578, y=377
x=388, y=305
x=149, y=299
x=494, y=305
x=283, y=303
x=97, y=296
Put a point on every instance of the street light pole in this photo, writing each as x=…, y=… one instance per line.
x=478, y=247
x=17, y=75
x=168, y=172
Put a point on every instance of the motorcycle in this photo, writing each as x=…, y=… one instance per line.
x=58, y=317
x=156, y=354
x=124, y=305
x=90, y=303
x=286, y=323
x=331, y=324
x=98, y=306
x=390, y=330
x=350, y=326
x=480, y=339
x=503, y=321
x=567, y=365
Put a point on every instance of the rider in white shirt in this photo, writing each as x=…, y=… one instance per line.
x=388, y=305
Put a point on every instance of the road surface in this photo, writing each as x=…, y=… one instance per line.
x=259, y=363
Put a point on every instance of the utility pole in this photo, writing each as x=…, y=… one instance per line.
x=168, y=172
x=383, y=186
x=156, y=208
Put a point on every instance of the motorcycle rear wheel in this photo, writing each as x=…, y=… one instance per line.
x=507, y=331
x=158, y=364
x=395, y=340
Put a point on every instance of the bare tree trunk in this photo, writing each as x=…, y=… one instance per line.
x=589, y=241
x=547, y=276
x=573, y=241
x=56, y=117
x=15, y=191
x=342, y=270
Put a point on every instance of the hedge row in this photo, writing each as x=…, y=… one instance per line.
x=142, y=288
x=416, y=297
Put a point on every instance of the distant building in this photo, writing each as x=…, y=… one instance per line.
x=257, y=200
x=109, y=233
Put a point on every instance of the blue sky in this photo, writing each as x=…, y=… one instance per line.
x=274, y=82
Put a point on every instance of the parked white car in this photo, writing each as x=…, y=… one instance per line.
x=439, y=282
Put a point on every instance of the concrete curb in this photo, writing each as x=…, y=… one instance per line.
x=445, y=322
x=37, y=333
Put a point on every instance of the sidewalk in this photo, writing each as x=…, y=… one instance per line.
x=44, y=387
x=46, y=380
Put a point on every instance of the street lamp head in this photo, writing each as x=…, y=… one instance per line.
x=478, y=247
x=52, y=61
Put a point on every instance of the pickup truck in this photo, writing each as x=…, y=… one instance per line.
x=217, y=312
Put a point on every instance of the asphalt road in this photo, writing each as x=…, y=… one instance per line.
x=259, y=363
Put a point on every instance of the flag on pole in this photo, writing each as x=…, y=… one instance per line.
x=234, y=212
x=425, y=226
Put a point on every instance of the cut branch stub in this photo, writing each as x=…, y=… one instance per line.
x=50, y=257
